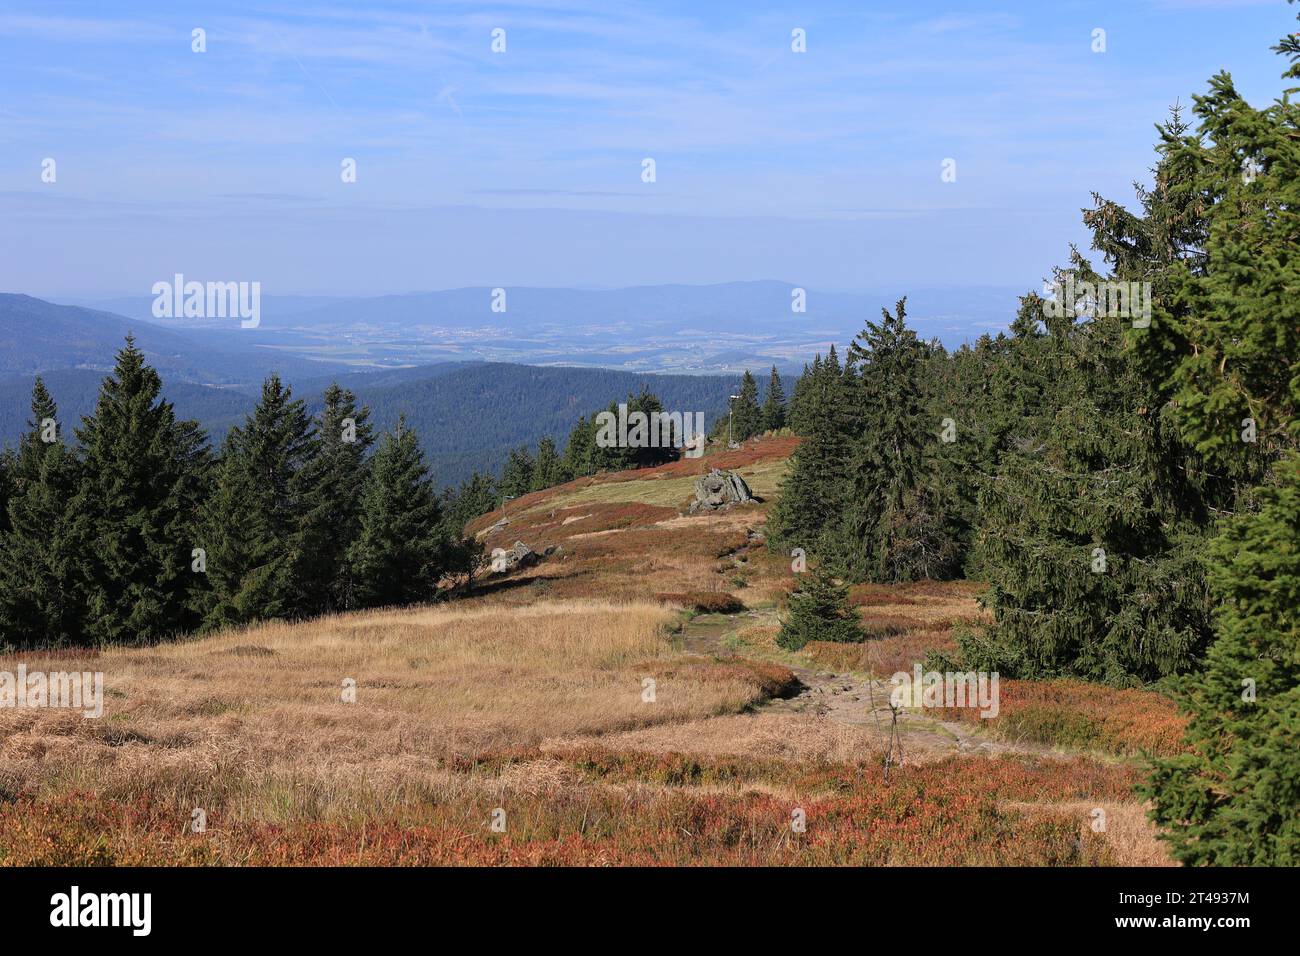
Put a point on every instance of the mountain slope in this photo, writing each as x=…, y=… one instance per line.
x=39, y=336
x=468, y=415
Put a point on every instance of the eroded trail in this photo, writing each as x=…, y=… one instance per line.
x=852, y=701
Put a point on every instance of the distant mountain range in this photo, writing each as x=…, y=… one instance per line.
x=668, y=328
x=39, y=336
x=473, y=382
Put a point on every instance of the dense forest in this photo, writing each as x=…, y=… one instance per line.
x=1126, y=482
x=469, y=415
x=141, y=531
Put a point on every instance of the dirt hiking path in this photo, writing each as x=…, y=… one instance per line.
x=852, y=700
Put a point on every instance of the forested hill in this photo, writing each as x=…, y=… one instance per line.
x=468, y=415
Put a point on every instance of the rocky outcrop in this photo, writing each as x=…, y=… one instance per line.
x=505, y=560
x=720, y=489
x=520, y=556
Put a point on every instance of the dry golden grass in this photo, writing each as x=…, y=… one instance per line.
x=793, y=737
x=757, y=637
x=1128, y=834
x=256, y=717
x=884, y=656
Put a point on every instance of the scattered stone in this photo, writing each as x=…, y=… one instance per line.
x=494, y=528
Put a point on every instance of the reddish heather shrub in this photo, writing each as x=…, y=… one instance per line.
x=957, y=812
x=1077, y=714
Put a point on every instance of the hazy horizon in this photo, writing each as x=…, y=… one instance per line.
x=524, y=167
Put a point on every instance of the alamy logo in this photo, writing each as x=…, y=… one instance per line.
x=179, y=299
x=924, y=688
x=103, y=909
x=83, y=691
x=656, y=430
x=1122, y=300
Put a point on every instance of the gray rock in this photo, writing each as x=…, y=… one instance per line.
x=720, y=489
x=520, y=556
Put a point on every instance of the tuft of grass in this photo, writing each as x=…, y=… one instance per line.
x=705, y=602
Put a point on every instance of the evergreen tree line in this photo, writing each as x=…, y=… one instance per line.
x=748, y=418
x=140, y=531
x=1128, y=485
x=583, y=455
x=526, y=471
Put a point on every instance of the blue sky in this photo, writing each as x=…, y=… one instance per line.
x=524, y=167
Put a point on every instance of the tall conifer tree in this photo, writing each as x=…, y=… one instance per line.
x=400, y=554
x=1093, y=534
x=1230, y=367
x=774, y=409
x=143, y=477
x=746, y=416
x=331, y=484
x=795, y=414
x=546, y=467
x=813, y=493
x=43, y=548
x=517, y=476
x=255, y=518
x=891, y=528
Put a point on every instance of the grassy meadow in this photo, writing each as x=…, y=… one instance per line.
x=622, y=702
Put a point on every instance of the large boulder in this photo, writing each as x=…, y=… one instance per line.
x=720, y=489
x=520, y=556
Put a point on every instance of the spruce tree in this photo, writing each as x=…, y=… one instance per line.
x=517, y=476
x=399, y=554
x=580, y=448
x=256, y=515
x=595, y=444
x=1224, y=342
x=547, y=466
x=813, y=493
x=971, y=392
x=1233, y=354
x=831, y=368
x=892, y=527
x=774, y=403
x=746, y=416
x=143, y=477
x=1231, y=800
x=476, y=496
x=819, y=611
x=330, y=485
x=1093, y=533
x=43, y=548
x=655, y=451
x=797, y=416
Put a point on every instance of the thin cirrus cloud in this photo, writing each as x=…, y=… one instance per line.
x=739, y=125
